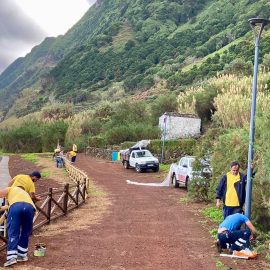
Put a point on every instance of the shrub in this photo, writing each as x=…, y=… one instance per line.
x=26, y=138
x=161, y=105
x=132, y=131
x=261, y=183
x=239, y=67
x=97, y=141
x=53, y=132
x=127, y=113
x=174, y=148
x=198, y=190
x=205, y=102
x=130, y=44
x=91, y=126
x=80, y=141
x=57, y=111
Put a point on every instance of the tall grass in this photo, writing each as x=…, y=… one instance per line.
x=232, y=101
x=232, y=115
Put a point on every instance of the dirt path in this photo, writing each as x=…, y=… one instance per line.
x=128, y=227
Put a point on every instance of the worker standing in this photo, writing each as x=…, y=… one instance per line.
x=74, y=148
x=19, y=223
x=72, y=155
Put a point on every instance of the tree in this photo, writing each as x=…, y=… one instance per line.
x=161, y=105
x=130, y=44
x=239, y=67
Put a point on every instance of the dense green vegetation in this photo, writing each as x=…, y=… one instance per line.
x=164, y=46
x=136, y=44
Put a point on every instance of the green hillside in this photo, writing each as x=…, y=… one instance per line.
x=135, y=44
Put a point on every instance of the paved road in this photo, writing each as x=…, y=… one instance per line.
x=4, y=172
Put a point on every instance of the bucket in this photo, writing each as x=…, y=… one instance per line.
x=114, y=155
x=40, y=250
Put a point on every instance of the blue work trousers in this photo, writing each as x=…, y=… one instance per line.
x=236, y=240
x=59, y=162
x=19, y=228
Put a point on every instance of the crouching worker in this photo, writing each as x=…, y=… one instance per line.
x=235, y=239
x=58, y=157
x=19, y=223
x=28, y=183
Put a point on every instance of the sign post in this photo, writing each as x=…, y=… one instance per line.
x=163, y=139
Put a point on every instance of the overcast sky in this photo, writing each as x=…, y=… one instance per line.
x=25, y=23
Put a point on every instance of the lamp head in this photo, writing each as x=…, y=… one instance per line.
x=258, y=24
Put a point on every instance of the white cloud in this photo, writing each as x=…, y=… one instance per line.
x=54, y=16
x=25, y=23
x=18, y=33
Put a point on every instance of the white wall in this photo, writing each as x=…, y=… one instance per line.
x=180, y=127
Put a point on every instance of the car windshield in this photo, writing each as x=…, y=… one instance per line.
x=144, y=153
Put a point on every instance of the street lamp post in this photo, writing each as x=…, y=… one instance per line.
x=257, y=25
x=163, y=140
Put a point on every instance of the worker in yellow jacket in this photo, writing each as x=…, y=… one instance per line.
x=72, y=155
x=27, y=182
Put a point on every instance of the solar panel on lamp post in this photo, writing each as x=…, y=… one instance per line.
x=257, y=24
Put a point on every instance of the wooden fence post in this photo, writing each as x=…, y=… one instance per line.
x=65, y=199
x=77, y=193
x=49, y=205
x=84, y=189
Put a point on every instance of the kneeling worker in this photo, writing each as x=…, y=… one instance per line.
x=19, y=223
x=232, y=237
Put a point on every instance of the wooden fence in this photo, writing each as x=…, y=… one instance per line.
x=76, y=174
x=58, y=202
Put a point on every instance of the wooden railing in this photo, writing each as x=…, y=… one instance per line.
x=76, y=174
x=58, y=202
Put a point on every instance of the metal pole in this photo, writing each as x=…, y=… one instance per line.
x=163, y=141
x=256, y=23
x=252, y=130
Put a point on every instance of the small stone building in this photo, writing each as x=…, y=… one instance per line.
x=176, y=125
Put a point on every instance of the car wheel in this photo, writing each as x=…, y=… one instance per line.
x=174, y=182
x=138, y=168
x=187, y=183
x=126, y=164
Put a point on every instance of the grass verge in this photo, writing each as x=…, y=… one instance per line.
x=30, y=157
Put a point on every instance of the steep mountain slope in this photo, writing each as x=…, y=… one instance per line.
x=135, y=44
